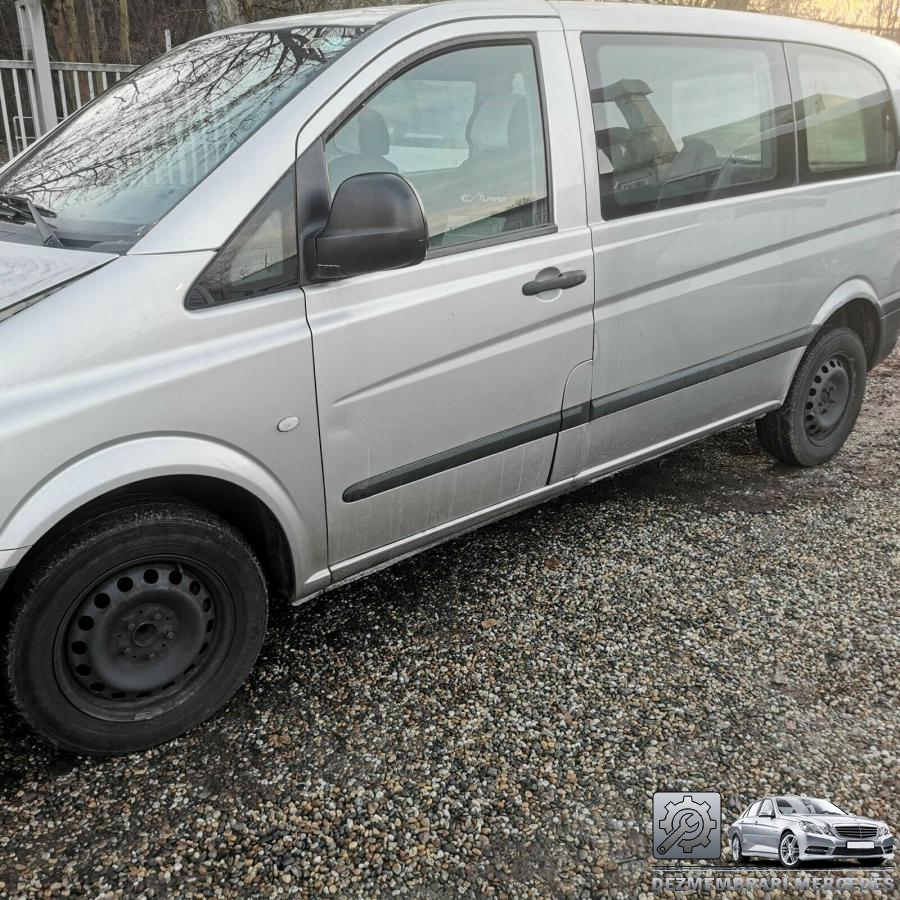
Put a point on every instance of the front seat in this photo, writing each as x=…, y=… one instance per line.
x=495, y=181
x=372, y=145
x=498, y=130
x=691, y=174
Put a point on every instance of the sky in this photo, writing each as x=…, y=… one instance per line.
x=852, y=11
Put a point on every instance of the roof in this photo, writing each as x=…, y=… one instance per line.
x=698, y=20
x=362, y=16
x=616, y=16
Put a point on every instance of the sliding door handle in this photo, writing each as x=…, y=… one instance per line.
x=562, y=281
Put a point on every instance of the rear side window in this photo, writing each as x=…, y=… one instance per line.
x=466, y=129
x=753, y=810
x=766, y=809
x=681, y=120
x=845, y=118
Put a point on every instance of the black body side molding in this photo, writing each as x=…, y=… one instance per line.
x=576, y=415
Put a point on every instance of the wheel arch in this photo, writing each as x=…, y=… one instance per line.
x=854, y=304
x=216, y=476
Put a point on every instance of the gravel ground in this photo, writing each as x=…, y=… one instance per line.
x=492, y=717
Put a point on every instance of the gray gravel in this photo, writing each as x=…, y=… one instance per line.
x=493, y=717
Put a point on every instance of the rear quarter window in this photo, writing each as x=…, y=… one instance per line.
x=845, y=118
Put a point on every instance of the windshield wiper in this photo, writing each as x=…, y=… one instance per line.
x=17, y=201
x=23, y=206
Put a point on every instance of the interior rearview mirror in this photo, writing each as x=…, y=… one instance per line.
x=376, y=223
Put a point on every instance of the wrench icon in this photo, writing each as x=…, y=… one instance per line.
x=690, y=825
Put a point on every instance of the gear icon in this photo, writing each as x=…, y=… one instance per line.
x=686, y=823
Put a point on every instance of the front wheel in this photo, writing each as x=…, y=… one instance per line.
x=822, y=403
x=134, y=628
x=789, y=851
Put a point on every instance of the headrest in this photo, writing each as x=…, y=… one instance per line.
x=500, y=123
x=366, y=134
x=374, y=139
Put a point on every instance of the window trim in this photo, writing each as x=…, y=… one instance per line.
x=804, y=175
x=789, y=177
x=533, y=231
x=307, y=166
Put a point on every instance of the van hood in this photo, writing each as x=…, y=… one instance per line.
x=28, y=271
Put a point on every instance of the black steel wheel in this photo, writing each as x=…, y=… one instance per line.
x=135, y=628
x=143, y=635
x=827, y=397
x=823, y=401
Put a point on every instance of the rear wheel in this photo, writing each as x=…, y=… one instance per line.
x=135, y=628
x=822, y=404
x=737, y=855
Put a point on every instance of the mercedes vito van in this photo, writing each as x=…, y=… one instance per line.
x=303, y=297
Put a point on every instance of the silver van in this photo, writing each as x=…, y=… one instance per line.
x=304, y=297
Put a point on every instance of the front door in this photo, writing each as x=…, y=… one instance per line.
x=440, y=386
x=767, y=828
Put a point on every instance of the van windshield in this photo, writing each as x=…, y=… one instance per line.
x=111, y=172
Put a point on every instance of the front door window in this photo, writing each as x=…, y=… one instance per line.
x=465, y=128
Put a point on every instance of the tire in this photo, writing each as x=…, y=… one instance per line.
x=134, y=628
x=737, y=852
x=789, y=851
x=822, y=403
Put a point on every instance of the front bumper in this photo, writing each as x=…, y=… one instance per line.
x=826, y=846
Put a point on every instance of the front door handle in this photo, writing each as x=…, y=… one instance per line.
x=562, y=281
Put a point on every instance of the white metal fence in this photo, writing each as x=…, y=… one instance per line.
x=74, y=84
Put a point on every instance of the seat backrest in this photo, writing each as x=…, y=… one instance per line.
x=366, y=144
x=499, y=123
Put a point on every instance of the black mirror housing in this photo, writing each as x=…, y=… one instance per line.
x=376, y=223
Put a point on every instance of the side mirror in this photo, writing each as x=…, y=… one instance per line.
x=376, y=223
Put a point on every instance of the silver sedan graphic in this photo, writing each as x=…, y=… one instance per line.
x=795, y=830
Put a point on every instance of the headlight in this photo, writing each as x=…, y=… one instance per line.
x=883, y=830
x=812, y=828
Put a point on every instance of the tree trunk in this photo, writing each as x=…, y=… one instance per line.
x=124, y=33
x=93, y=43
x=62, y=24
x=223, y=13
